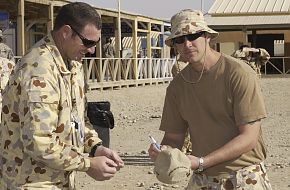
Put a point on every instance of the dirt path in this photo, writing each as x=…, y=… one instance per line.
x=138, y=112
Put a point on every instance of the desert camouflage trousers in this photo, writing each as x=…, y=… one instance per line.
x=256, y=68
x=249, y=178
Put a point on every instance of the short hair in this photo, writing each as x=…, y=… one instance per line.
x=77, y=15
x=243, y=46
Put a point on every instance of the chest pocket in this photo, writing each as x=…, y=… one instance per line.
x=41, y=91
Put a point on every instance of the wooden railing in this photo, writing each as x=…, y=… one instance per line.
x=103, y=73
x=114, y=72
x=277, y=65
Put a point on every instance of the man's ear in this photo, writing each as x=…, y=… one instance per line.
x=175, y=50
x=66, y=31
x=207, y=37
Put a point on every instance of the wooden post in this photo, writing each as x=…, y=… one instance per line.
x=135, y=48
x=149, y=51
x=20, y=29
x=50, y=18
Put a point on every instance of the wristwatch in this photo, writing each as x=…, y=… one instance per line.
x=93, y=150
x=200, y=165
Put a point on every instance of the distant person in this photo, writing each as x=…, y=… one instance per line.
x=108, y=49
x=45, y=136
x=219, y=100
x=6, y=68
x=5, y=50
x=254, y=57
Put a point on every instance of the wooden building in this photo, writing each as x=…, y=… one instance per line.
x=257, y=23
x=141, y=55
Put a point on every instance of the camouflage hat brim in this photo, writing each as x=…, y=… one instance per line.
x=213, y=34
x=188, y=22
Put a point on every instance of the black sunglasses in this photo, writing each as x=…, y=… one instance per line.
x=86, y=42
x=189, y=37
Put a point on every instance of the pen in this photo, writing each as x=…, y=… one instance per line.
x=155, y=143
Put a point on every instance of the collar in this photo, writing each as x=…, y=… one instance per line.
x=50, y=45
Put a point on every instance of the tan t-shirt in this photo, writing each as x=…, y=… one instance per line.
x=227, y=96
x=177, y=67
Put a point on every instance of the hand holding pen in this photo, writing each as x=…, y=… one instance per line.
x=154, y=149
x=155, y=143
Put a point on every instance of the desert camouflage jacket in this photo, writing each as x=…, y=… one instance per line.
x=6, y=67
x=260, y=57
x=108, y=51
x=6, y=52
x=40, y=146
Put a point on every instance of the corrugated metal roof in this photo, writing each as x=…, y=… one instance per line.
x=249, y=7
x=235, y=22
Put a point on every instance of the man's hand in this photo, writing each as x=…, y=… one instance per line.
x=194, y=162
x=153, y=151
x=103, y=151
x=102, y=168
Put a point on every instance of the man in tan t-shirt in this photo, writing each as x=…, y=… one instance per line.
x=219, y=100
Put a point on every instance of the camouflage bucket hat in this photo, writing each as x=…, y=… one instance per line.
x=188, y=22
x=172, y=166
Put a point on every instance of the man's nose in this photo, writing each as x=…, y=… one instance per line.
x=91, y=50
x=187, y=43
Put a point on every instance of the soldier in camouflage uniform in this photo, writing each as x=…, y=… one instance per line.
x=5, y=51
x=6, y=68
x=217, y=99
x=254, y=57
x=45, y=136
x=108, y=49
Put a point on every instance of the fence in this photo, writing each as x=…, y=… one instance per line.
x=103, y=73
x=277, y=65
x=109, y=73
x=114, y=72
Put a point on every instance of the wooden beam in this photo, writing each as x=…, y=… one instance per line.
x=117, y=45
x=149, y=40
x=20, y=29
x=50, y=23
x=143, y=19
x=135, y=48
x=149, y=51
x=144, y=25
x=128, y=23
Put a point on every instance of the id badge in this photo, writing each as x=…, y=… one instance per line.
x=80, y=133
x=74, y=134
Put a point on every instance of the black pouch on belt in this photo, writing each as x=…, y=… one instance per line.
x=99, y=114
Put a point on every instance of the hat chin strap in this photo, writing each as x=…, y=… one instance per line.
x=203, y=66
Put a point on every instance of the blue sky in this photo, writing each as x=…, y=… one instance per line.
x=163, y=9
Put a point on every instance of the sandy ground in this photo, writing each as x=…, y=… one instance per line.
x=138, y=111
